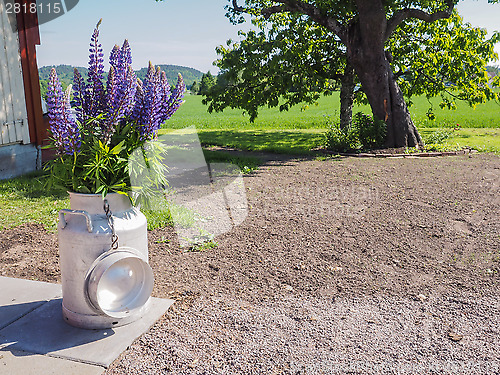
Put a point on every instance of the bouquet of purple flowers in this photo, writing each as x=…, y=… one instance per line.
x=113, y=118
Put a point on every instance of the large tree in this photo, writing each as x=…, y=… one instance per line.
x=364, y=31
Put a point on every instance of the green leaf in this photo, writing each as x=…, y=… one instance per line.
x=118, y=148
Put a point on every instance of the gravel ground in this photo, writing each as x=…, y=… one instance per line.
x=343, y=266
x=293, y=335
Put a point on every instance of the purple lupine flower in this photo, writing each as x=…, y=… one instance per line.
x=165, y=85
x=55, y=108
x=67, y=97
x=125, y=55
x=138, y=111
x=166, y=92
x=80, y=97
x=95, y=92
x=149, y=121
x=175, y=100
x=65, y=133
x=74, y=138
x=108, y=125
x=126, y=81
x=119, y=100
x=121, y=60
x=114, y=55
x=111, y=86
x=121, y=89
x=128, y=88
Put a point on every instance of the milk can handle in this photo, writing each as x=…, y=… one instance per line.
x=90, y=227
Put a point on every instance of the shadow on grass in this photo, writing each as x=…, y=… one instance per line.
x=292, y=142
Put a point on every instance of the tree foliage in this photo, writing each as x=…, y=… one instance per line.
x=447, y=58
x=195, y=88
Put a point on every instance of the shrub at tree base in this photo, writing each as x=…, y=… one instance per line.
x=341, y=139
x=365, y=132
x=371, y=131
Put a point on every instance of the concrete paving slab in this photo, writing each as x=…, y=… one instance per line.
x=22, y=363
x=18, y=297
x=43, y=331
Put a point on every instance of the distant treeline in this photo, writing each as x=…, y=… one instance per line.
x=198, y=82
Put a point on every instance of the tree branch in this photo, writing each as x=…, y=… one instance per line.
x=300, y=7
x=315, y=14
x=267, y=12
x=238, y=8
x=404, y=14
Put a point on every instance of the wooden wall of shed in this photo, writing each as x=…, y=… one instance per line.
x=13, y=114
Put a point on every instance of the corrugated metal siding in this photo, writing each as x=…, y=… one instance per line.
x=13, y=114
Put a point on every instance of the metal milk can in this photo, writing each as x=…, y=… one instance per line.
x=103, y=248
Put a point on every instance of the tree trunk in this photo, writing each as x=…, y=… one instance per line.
x=387, y=103
x=365, y=50
x=346, y=96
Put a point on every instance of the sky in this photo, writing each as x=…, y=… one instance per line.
x=177, y=32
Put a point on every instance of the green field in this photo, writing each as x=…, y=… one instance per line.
x=193, y=112
x=301, y=129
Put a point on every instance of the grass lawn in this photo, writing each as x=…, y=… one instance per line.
x=26, y=199
x=301, y=141
x=288, y=141
x=301, y=129
x=481, y=139
x=484, y=139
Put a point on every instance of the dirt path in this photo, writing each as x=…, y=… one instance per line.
x=361, y=266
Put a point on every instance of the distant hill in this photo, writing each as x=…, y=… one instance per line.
x=188, y=74
x=65, y=73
